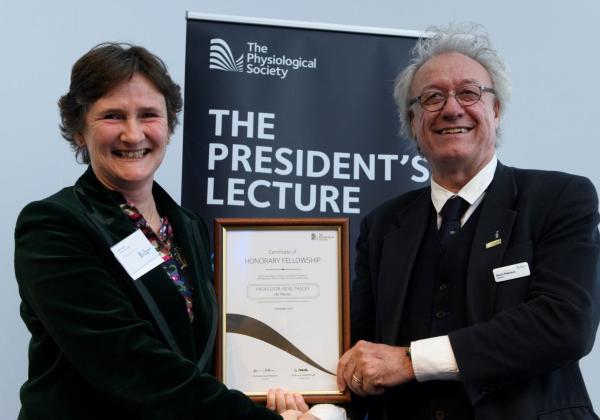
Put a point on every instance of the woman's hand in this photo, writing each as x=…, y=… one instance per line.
x=297, y=415
x=291, y=415
x=279, y=401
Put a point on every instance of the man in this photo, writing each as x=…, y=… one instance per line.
x=476, y=297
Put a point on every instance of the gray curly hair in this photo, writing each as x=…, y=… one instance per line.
x=470, y=40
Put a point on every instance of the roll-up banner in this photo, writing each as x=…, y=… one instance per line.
x=290, y=119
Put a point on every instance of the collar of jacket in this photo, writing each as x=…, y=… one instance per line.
x=399, y=254
x=103, y=207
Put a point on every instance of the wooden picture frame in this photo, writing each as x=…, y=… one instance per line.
x=283, y=290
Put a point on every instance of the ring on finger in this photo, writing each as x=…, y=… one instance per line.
x=356, y=379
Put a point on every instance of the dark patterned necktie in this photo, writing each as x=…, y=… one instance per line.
x=451, y=214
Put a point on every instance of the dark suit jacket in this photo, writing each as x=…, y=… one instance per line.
x=96, y=351
x=518, y=356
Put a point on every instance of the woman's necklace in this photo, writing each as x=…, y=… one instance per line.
x=152, y=217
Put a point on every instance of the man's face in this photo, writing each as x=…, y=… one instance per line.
x=455, y=138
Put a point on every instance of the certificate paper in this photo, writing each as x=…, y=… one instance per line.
x=282, y=317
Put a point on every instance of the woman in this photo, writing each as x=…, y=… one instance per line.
x=110, y=340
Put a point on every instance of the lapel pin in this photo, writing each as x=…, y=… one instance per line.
x=497, y=241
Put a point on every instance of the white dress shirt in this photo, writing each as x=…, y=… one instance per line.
x=433, y=358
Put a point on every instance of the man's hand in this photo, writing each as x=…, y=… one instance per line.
x=369, y=368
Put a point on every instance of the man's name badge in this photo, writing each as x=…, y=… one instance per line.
x=510, y=272
x=136, y=254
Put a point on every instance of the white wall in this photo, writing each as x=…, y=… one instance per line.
x=551, y=122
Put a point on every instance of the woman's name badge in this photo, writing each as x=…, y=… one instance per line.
x=136, y=254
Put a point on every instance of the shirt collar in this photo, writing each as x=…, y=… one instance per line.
x=471, y=191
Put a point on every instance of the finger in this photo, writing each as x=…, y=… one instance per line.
x=308, y=416
x=356, y=384
x=280, y=400
x=290, y=402
x=348, y=372
x=300, y=403
x=372, y=390
x=341, y=368
x=362, y=354
x=271, y=400
x=341, y=383
x=290, y=415
x=367, y=387
x=357, y=389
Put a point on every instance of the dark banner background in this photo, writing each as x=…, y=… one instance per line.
x=341, y=107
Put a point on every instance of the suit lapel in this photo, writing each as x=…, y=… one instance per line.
x=103, y=207
x=183, y=228
x=399, y=250
x=114, y=226
x=495, y=223
x=187, y=237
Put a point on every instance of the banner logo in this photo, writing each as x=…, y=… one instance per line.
x=257, y=59
x=221, y=57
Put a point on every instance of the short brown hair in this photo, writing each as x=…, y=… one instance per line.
x=101, y=69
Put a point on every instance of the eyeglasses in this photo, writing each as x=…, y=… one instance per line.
x=434, y=100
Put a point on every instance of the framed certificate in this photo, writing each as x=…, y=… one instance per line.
x=283, y=290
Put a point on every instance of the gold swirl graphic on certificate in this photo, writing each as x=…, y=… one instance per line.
x=282, y=309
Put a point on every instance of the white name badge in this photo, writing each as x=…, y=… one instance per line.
x=136, y=254
x=510, y=272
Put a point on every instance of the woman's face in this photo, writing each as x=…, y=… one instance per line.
x=126, y=133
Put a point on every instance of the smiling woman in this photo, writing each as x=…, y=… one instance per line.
x=114, y=276
x=126, y=135
x=118, y=115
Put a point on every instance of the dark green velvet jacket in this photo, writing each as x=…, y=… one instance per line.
x=97, y=351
